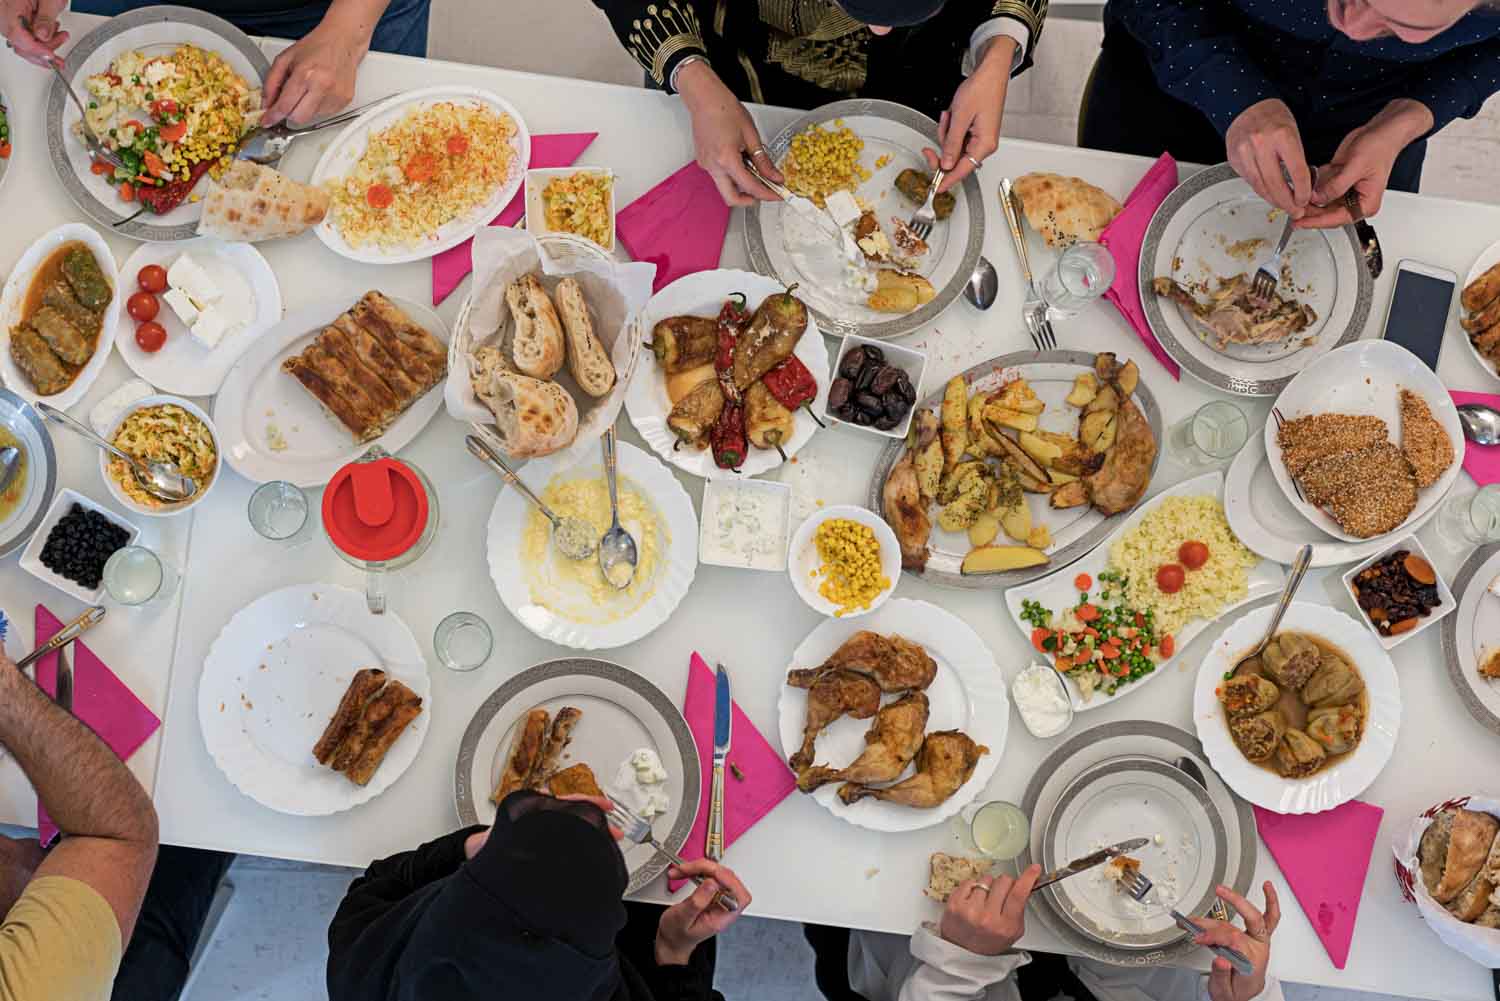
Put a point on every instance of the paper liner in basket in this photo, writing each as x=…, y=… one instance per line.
x=616, y=293
x=1482, y=945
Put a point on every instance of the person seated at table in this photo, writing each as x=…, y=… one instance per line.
x=1351, y=89
x=157, y=960
x=69, y=910
x=310, y=79
x=528, y=910
x=951, y=61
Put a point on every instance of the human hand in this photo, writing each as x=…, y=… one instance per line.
x=987, y=916
x=19, y=858
x=1363, y=163
x=1262, y=141
x=38, y=39
x=474, y=842
x=722, y=131
x=314, y=76
x=697, y=918
x=1224, y=984
x=971, y=125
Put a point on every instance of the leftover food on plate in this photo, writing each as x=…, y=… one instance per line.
x=164, y=432
x=1481, y=298
x=370, y=365
x=849, y=565
x=1397, y=592
x=899, y=291
x=80, y=544
x=14, y=494
x=869, y=391
x=535, y=761
x=1235, y=315
x=1065, y=210
x=61, y=319
x=1297, y=708
x=822, y=160
x=914, y=185
x=946, y=872
x=1120, y=870
x=373, y=713
x=1489, y=664
x=1458, y=858
x=436, y=164
x=251, y=202
x=640, y=783
x=581, y=204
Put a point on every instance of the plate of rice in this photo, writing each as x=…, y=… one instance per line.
x=420, y=173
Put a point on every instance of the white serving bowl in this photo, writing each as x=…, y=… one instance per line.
x=1445, y=596
x=802, y=558
x=31, y=557
x=909, y=360
x=170, y=509
x=536, y=208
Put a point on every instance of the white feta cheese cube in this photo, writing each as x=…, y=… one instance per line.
x=181, y=305
x=210, y=328
x=188, y=275
x=842, y=206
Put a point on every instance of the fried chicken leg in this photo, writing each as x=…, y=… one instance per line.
x=906, y=513
x=890, y=744
x=831, y=695
x=946, y=761
x=896, y=664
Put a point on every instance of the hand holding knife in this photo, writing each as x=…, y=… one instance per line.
x=1086, y=863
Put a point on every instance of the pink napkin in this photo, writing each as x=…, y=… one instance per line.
x=767, y=779
x=678, y=225
x=1324, y=857
x=100, y=700
x=1123, y=237
x=1480, y=461
x=451, y=266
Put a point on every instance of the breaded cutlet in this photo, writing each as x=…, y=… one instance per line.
x=1423, y=440
x=1305, y=440
x=1368, y=491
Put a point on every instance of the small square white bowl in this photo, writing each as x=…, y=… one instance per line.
x=909, y=360
x=718, y=491
x=536, y=211
x=1445, y=596
x=31, y=557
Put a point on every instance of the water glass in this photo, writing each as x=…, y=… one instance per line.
x=136, y=577
x=1214, y=434
x=1000, y=830
x=1471, y=519
x=1083, y=273
x=278, y=510
x=463, y=641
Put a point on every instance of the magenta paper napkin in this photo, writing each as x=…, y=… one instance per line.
x=767, y=779
x=678, y=225
x=452, y=265
x=1480, y=461
x=1324, y=857
x=100, y=700
x=1123, y=237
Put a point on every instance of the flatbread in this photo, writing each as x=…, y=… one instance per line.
x=946, y=871
x=1065, y=210
x=1468, y=848
x=253, y=202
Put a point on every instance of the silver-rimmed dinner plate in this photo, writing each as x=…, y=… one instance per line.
x=1129, y=753
x=1213, y=225
x=1075, y=531
x=156, y=31
x=1473, y=631
x=28, y=428
x=622, y=712
x=894, y=137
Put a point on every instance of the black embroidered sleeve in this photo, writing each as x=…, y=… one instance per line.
x=1031, y=13
x=659, y=34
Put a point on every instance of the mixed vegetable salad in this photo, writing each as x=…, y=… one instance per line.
x=1101, y=643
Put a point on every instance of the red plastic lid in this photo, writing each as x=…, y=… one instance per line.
x=375, y=511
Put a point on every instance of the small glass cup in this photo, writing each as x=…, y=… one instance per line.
x=1083, y=273
x=136, y=577
x=1213, y=435
x=278, y=511
x=463, y=641
x=1471, y=519
x=1000, y=830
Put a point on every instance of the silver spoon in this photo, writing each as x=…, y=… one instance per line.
x=1293, y=581
x=983, y=285
x=162, y=480
x=1481, y=423
x=573, y=537
x=617, y=557
x=10, y=464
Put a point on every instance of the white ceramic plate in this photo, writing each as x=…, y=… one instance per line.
x=1483, y=263
x=13, y=300
x=558, y=609
x=272, y=680
x=257, y=395
x=1056, y=591
x=646, y=401
x=1473, y=632
x=1366, y=378
x=968, y=694
x=345, y=151
x=183, y=366
x=1336, y=784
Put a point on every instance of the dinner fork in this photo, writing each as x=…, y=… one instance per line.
x=923, y=219
x=637, y=829
x=1268, y=275
x=97, y=149
x=1139, y=887
x=1280, y=421
x=1034, y=309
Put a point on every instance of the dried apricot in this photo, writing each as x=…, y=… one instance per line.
x=1419, y=569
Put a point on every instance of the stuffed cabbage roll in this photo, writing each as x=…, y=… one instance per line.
x=1298, y=755
x=1290, y=659
x=1258, y=736
x=1248, y=694
x=1334, y=684
x=1337, y=728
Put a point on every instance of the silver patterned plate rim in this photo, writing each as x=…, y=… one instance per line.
x=1460, y=587
x=900, y=326
x=1151, y=304
x=27, y=412
x=1073, y=551
x=57, y=98
x=692, y=777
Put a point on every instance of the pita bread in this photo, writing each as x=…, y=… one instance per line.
x=1065, y=210
x=533, y=417
x=252, y=202
x=1468, y=847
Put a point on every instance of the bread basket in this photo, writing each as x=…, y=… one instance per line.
x=1482, y=945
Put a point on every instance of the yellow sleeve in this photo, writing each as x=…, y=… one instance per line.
x=60, y=940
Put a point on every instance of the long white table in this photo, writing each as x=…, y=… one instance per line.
x=800, y=862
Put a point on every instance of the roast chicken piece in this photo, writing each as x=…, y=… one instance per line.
x=832, y=694
x=947, y=759
x=1235, y=315
x=890, y=744
x=894, y=663
x=1126, y=472
x=906, y=513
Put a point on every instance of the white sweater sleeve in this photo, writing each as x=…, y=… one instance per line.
x=947, y=972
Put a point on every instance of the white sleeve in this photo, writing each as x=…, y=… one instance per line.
x=947, y=972
x=990, y=30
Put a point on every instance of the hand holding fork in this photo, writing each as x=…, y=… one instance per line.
x=637, y=829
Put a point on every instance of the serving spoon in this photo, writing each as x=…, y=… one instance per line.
x=617, y=556
x=573, y=537
x=162, y=480
x=1293, y=581
x=1481, y=423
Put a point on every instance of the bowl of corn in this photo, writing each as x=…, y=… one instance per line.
x=844, y=561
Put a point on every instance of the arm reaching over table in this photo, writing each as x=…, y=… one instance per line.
x=30, y=27
x=314, y=76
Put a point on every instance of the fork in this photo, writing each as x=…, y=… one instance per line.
x=637, y=829
x=923, y=219
x=1268, y=275
x=1034, y=309
x=1280, y=421
x=97, y=149
x=1139, y=887
x=267, y=145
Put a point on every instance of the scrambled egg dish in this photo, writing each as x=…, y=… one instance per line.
x=163, y=433
x=576, y=589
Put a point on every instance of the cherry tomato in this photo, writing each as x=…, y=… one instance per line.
x=1083, y=582
x=150, y=336
x=4, y=151
x=1193, y=554
x=153, y=278
x=420, y=168
x=142, y=306
x=379, y=196
x=173, y=132
x=458, y=144
x=1170, y=578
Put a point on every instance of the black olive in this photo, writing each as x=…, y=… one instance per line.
x=904, y=386
x=838, y=393
x=874, y=354
x=885, y=380
x=869, y=403
x=853, y=361
x=894, y=405
x=886, y=422
x=863, y=419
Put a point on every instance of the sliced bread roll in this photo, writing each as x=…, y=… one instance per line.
x=946, y=871
x=1432, y=850
x=1490, y=918
x=534, y=418
x=1468, y=848
x=587, y=359
x=1473, y=900
x=537, y=338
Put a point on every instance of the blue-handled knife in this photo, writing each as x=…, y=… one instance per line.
x=723, y=718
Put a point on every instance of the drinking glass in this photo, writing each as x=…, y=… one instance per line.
x=1000, y=830
x=1214, y=434
x=463, y=641
x=1471, y=519
x=278, y=511
x=135, y=577
x=1083, y=273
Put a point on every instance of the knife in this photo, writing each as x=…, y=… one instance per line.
x=821, y=218
x=1076, y=866
x=64, y=696
x=723, y=718
x=64, y=636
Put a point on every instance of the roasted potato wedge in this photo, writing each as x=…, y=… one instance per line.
x=954, y=433
x=1039, y=447
x=929, y=463
x=1068, y=495
x=1040, y=537
x=984, y=529
x=1085, y=385
x=997, y=559
x=1023, y=463
x=967, y=505
x=1006, y=417
x=1019, y=396
x=1098, y=429
x=1108, y=398
x=957, y=479
x=1129, y=377
x=1016, y=519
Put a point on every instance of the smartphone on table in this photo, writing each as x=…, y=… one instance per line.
x=1418, y=315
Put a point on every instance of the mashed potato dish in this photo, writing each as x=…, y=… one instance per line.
x=1157, y=542
x=163, y=433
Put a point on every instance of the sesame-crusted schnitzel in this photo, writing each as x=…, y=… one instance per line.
x=1423, y=440
x=1305, y=440
x=1368, y=491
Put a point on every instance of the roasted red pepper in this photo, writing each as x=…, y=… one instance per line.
x=167, y=197
x=732, y=319
x=791, y=383
x=728, y=438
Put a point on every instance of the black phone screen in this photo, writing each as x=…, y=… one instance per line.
x=1419, y=314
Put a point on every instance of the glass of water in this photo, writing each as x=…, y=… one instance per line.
x=1083, y=273
x=1471, y=519
x=278, y=510
x=463, y=641
x=1214, y=434
x=135, y=577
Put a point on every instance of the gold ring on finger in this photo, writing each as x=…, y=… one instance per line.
x=975, y=162
x=757, y=151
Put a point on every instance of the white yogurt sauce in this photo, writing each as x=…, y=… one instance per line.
x=640, y=783
x=821, y=261
x=1042, y=700
x=744, y=527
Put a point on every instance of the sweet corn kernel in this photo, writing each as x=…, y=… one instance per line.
x=822, y=161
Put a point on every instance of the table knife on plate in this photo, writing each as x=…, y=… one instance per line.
x=821, y=218
x=723, y=717
x=1076, y=866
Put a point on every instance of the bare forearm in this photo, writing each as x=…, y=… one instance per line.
x=358, y=17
